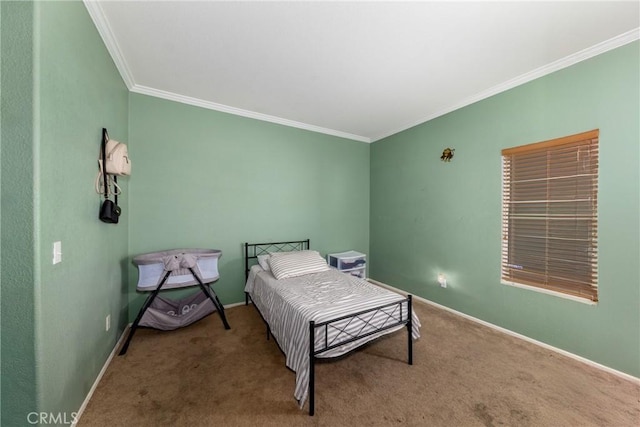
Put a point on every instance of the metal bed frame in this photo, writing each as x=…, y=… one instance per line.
x=394, y=311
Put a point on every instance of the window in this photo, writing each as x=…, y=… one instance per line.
x=549, y=215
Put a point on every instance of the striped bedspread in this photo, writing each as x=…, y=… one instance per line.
x=289, y=304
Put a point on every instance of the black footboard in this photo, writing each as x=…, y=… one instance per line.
x=395, y=316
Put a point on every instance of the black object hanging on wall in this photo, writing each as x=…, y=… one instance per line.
x=109, y=211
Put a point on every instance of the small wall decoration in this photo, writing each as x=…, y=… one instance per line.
x=447, y=154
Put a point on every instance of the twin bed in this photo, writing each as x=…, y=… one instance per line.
x=315, y=311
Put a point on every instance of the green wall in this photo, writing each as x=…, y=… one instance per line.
x=18, y=358
x=80, y=91
x=54, y=341
x=428, y=216
x=208, y=179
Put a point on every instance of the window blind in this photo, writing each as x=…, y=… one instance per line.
x=549, y=215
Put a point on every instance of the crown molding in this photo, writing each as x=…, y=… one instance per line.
x=144, y=90
x=102, y=24
x=100, y=21
x=615, y=42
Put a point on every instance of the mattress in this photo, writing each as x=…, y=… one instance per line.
x=288, y=305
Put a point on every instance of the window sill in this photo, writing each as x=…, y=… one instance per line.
x=550, y=292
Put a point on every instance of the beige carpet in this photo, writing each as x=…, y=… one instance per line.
x=464, y=374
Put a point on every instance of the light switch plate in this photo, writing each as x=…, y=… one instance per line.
x=57, y=252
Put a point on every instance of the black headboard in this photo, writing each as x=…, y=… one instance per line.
x=252, y=250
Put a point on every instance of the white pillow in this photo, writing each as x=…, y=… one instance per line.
x=292, y=264
x=263, y=260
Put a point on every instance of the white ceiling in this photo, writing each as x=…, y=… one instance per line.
x=360, y=70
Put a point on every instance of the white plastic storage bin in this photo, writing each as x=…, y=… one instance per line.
x=351, y=262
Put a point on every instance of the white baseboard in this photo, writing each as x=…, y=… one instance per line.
x=515, y=334
x=99, y=377
x=235, y=304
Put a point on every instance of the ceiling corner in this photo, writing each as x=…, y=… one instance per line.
x=102, y=25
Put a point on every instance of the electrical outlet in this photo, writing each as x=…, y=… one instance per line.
x=107, y=322
x=442, y=280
